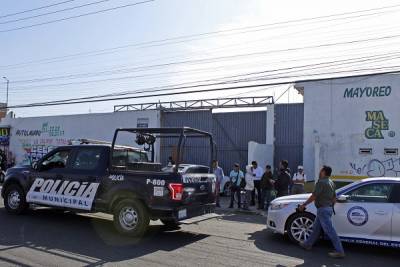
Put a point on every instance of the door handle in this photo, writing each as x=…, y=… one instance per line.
x=380, y=212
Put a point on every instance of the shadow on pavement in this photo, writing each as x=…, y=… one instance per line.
x=91, y=241
x=371, y=256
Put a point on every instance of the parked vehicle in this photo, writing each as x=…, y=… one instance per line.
x=120, y=180
x=367, y=212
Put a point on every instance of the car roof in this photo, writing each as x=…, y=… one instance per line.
x=394, y=179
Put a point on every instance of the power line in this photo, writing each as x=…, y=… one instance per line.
x=77, y=16
x=141, y=68
x=64, y=102
x=54, y=12
x=308, y=67
x=204, y=34
x=38, y=8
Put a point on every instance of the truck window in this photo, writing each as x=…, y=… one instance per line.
x=57, y=160
x=128, y=159
x=87, y=158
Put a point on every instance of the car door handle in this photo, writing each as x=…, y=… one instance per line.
x=380, y=212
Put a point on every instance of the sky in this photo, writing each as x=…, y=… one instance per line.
x=140, y=47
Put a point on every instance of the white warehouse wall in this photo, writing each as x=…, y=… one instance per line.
x=32, y=137
x=344, y=115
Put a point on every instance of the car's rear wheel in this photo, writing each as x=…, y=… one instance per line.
x=131, y=218
x=299, y=226
x=14, y=199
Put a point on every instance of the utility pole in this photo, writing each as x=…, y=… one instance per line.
x=7, y=84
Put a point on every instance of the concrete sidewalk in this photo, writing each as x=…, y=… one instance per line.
x=225, y=201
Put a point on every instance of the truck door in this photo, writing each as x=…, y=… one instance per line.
x=88, y=169
x=48, y=177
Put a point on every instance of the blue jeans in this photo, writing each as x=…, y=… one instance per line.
x=324, y=221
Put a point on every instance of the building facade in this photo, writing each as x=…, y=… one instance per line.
x=352, y=124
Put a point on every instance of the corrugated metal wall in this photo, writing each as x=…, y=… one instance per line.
x=232, y=131
x=197, y=150
x=289, y=125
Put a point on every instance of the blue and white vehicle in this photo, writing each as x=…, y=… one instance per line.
x=367, y=212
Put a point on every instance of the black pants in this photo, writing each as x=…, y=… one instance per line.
x=253, y=194
x=235, y=190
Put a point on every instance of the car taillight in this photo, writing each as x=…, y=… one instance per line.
x=176, y=191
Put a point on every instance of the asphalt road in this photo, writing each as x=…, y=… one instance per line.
x=47, y=237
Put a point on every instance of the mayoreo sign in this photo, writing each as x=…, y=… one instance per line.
x=379, y=123
x=376, y=91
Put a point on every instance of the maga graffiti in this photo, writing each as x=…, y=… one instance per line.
x=377, y=168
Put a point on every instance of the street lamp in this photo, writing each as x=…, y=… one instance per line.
x=8, y=83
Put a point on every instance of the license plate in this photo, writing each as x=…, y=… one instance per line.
x=182, y=214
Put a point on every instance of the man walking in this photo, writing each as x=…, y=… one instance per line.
x=219, y=173
x=257, y=174
x=235, y=177
x=324, y=196
x=283, y=181
x=299, y=180
x=267, y=187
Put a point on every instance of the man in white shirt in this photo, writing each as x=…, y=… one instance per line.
x=299, y=180
x=257, y=174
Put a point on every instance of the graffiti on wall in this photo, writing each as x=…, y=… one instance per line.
x=377, y=168
x=36, y=143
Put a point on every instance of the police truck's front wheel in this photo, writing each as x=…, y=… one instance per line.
x=131, y=218
x=14, y=199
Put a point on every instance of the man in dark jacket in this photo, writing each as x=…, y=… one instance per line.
x=283, y=181
x=267, y=187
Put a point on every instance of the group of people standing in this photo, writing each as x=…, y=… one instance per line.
x=265, y=183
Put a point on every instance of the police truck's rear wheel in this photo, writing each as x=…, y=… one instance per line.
x=131, y=218
x=14, y=199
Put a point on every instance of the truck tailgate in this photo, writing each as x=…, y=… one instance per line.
x=199, y=188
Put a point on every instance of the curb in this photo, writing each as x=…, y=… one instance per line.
x=241, y=211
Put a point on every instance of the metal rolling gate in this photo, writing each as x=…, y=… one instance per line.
x=288, y=132
x=232, y=131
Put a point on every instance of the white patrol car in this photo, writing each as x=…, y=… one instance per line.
x=367, y=212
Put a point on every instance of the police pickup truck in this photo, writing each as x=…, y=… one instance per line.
x=119, y=180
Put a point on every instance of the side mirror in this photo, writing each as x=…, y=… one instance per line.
x=342, y=198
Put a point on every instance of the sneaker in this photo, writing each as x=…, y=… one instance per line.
x=336, y=255
x=304, y=246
